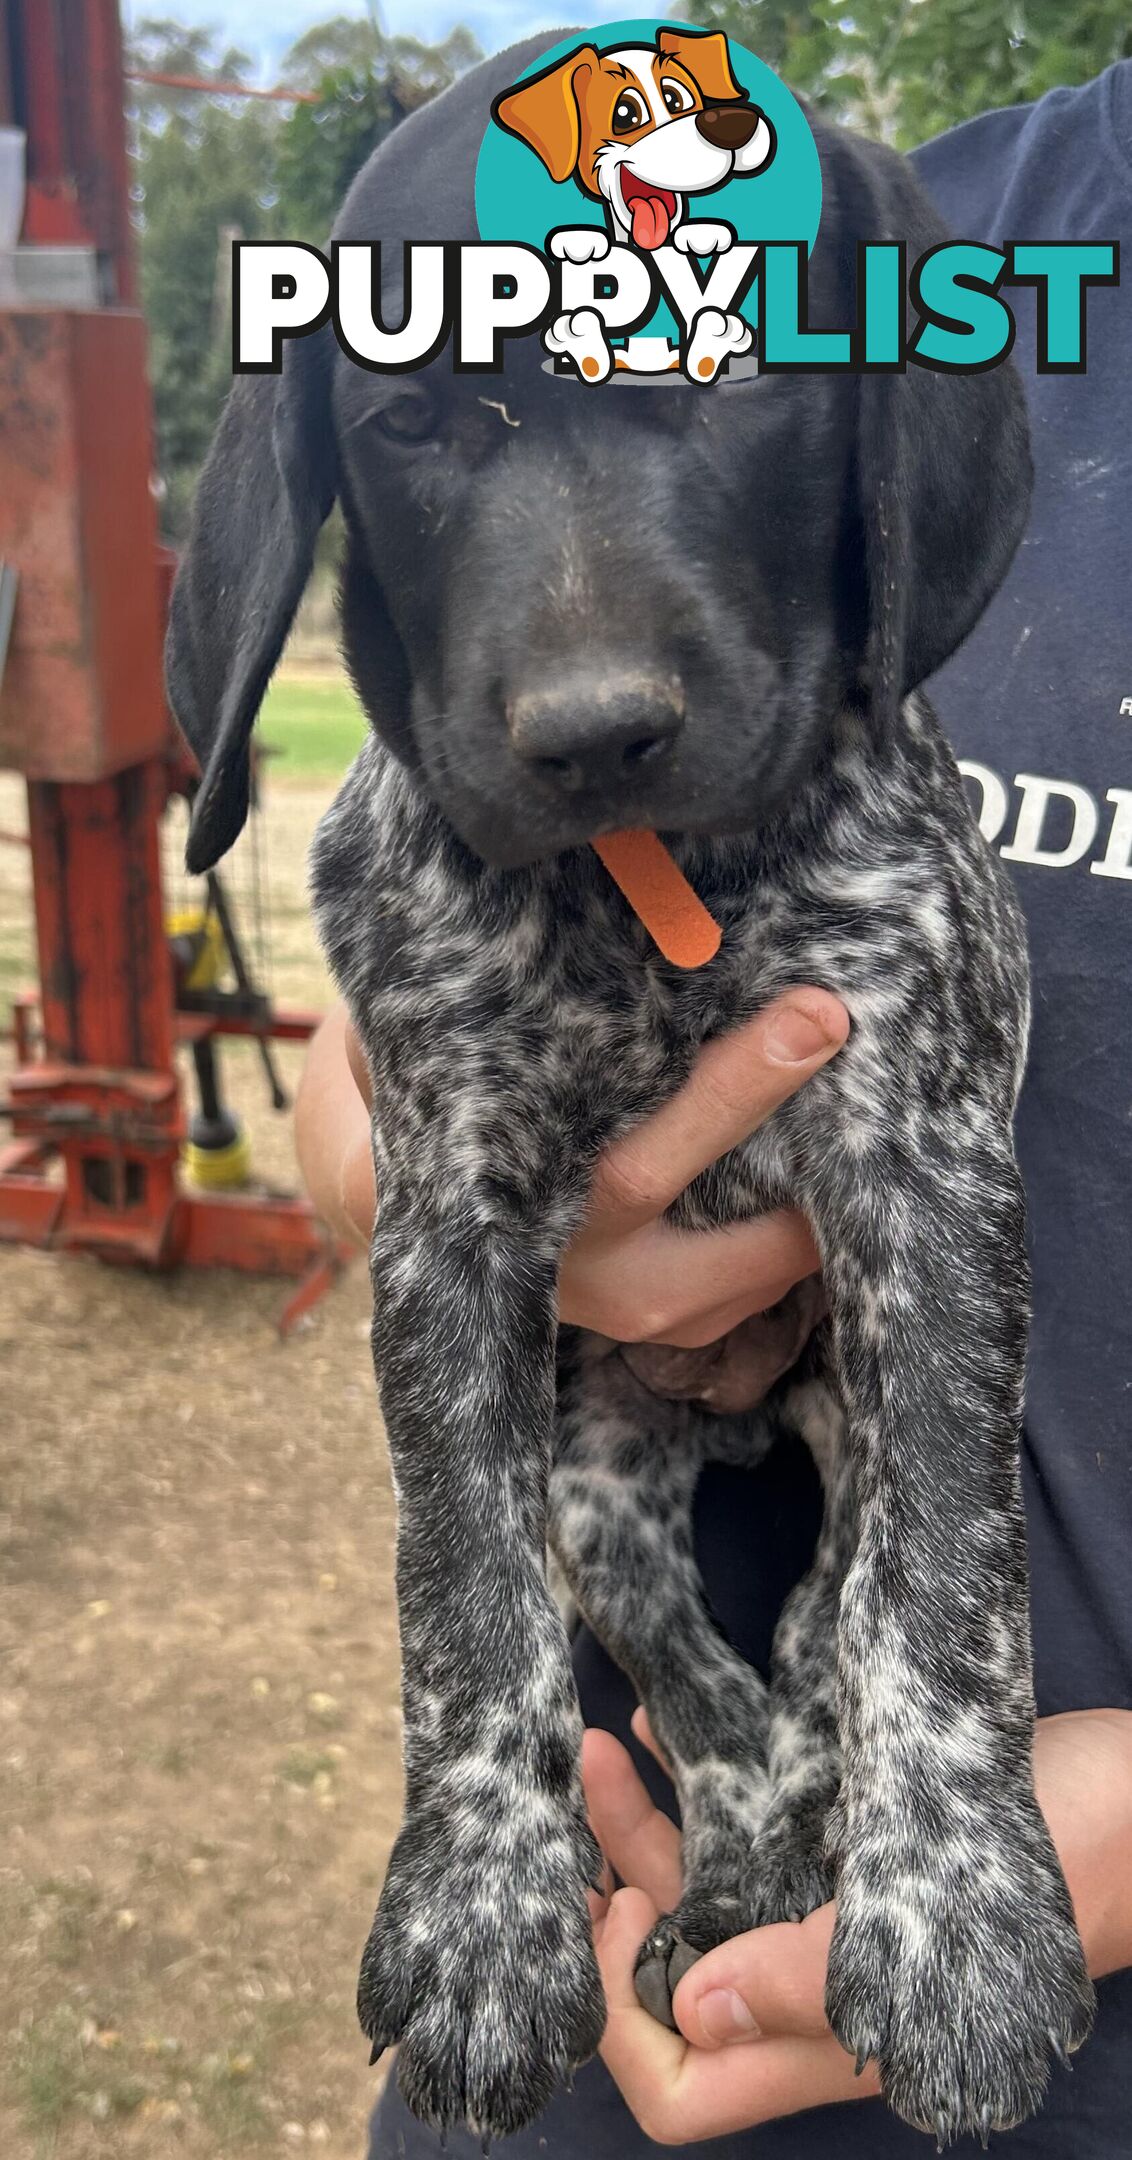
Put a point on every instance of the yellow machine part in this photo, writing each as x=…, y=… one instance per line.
x=210, y=953
x=218, y=1169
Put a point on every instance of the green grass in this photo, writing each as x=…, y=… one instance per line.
x=315, y=729
x=302, y=1765
x=49, y=2071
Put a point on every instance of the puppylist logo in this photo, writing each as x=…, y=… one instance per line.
x=647, y=199
x=651, y=164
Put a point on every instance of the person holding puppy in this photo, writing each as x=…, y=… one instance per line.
x=1033, y=706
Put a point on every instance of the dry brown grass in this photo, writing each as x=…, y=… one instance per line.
x=199, y=1764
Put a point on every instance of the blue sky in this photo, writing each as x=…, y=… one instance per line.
x=266, y=27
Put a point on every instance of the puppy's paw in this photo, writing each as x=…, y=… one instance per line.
x=715, y=338
x=581, y=338
x=963, y=1975
x=580, y=244
x=711, y=1911
x=480, y=1965
x=791, y=1874
x=703, y=238
x=662, y=1961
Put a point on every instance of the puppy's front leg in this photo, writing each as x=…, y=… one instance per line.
x=955, y=1960
x=480, y=1960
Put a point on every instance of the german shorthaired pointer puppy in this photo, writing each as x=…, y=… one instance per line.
x=706, y=613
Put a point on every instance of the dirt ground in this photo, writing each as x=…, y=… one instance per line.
x=199, y=1758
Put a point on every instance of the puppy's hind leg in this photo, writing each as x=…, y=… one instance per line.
x=621, y=1526
x=792, y=1867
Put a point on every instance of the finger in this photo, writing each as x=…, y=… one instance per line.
x=598, y=1900
x=642, y=1731
x=681, y=2094
x=684, y=1287
x=731, y=1274
x=734, y=1085
x=642, y=2055
x=638, y=1841
x=769, y=1981
x=1083, y=1774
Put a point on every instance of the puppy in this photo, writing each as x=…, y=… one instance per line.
x=708, y=615
x=642, y=128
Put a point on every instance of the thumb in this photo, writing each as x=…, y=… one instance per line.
x=769, y=1981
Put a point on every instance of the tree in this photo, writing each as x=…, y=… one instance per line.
x=905, y=69
x=204, y=172
x=367, y=84
x=210, y=169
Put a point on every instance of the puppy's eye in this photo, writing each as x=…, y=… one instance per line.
x=629, y=113
x=676, y=95
x=409, y=418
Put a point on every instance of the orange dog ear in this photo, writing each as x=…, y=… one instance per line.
x=706, y=56
x=543, y=111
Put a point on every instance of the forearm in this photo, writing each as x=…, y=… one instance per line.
x=332, y=1136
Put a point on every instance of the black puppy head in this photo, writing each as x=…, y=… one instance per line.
x=572, y=609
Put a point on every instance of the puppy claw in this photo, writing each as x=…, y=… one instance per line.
x=376, y=2052
x=984, y=2129
x=1060, y=2050
x=942, y=2133
x=862, y=2059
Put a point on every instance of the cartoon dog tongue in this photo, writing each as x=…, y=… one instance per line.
x=650, y=220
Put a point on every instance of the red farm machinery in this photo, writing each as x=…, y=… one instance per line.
x=99, y=1120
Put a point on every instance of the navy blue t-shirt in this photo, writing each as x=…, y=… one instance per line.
x=1038, y=705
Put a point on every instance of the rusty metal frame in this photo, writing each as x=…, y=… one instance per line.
x=97, y=1114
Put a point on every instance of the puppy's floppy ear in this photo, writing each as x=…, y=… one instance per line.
x=707, y=57
x=542, y=111
x=943, y=460
x=268, y=484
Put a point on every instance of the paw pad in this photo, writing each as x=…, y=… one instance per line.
x=662, y=1962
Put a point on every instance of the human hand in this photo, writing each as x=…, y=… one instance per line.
x=753, y=2041
x=628, y=1274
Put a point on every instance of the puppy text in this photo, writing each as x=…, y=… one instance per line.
x=947, y=311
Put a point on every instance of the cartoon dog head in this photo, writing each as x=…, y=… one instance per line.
x=642, y=128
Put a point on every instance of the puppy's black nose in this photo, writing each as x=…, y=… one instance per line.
x=727, y=127
x=596, y=731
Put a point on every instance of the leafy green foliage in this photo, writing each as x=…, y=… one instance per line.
x=204, y=175
x=362, y=96
x=906, y=69
x=212, y=169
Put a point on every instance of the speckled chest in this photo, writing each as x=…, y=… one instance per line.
x=515, y=1022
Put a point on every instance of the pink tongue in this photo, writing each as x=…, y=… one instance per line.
x=650, y=221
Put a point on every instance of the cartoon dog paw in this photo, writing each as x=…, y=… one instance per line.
x=715, y=337
x=703, y=239
x=580, y=244
x=580, y=337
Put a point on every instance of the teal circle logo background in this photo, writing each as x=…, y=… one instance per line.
x=516, y=199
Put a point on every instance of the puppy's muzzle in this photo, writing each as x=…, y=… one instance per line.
x=727, y=127
x=594, y=732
